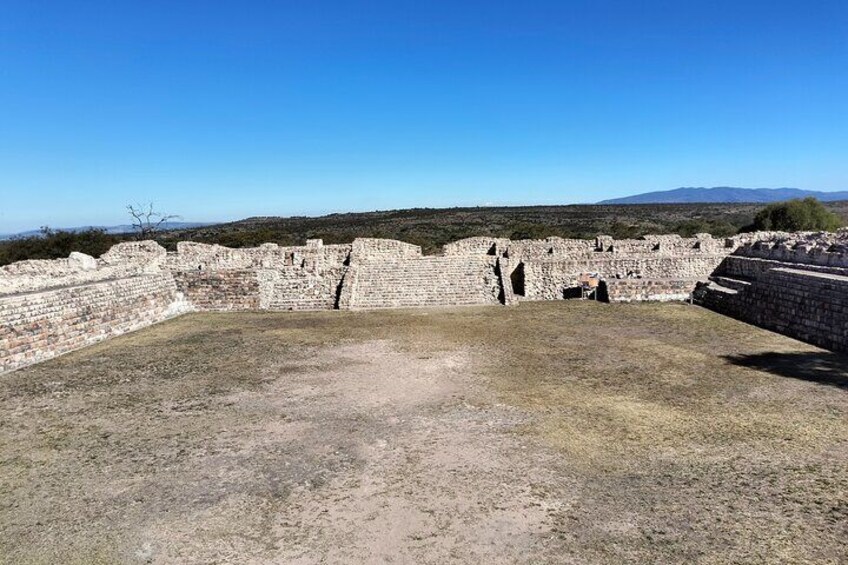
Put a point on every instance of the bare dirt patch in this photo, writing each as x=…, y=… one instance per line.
x=555, y=432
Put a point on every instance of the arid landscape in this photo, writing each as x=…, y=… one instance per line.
x=472, y=283
x=567, y=432
x=428, y=227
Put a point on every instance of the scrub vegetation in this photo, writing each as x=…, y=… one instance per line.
x=432, y=228
x=806, y=214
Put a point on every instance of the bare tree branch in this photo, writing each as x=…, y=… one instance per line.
x=146, y=221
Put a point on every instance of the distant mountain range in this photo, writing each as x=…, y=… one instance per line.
x=684, y=195
x=719, y=194
x=124, y=228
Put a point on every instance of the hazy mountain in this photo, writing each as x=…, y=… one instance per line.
x=724, y=194
x=125, y=228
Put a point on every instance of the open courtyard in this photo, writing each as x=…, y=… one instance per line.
x=568, y=432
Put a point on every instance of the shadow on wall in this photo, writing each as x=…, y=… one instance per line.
x=575, y=292
x=825, y=368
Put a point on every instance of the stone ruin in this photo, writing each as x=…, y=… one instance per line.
x=792, y=283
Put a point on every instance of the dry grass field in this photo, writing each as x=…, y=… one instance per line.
x=564, y=432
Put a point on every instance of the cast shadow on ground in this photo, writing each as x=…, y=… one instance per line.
x=824, y=367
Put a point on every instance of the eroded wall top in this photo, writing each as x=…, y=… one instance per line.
x=135, y=258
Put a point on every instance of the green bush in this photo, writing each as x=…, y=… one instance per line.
x=52, y=244
x=797, y=215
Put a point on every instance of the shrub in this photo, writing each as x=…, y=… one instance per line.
x=52, y=244
x=797, y=215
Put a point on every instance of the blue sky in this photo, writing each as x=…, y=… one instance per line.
x=222, y=110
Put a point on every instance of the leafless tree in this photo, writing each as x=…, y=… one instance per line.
x=146, y=221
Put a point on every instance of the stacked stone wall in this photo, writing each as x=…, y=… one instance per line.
x=530, y=248
x=427, y=281
x=268, y=277
x=800, y=253
x=49, y=307
x=41, y=325
x=121, y=261
x=807, y=305
x=192, y=256
x=476, y=246
x=796, y=284
x=668, y=245
x=551, y=279
x=220, y=290
x=297, y=289
x=654, y=290
x=752, y=267
x=373, y=249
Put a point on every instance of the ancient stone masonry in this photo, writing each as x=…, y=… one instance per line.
x=51, y=307
x=647, y=290
x=796, y=284
x=40, y=325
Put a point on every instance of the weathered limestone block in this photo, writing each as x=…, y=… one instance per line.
x=141, y=253
x=476, y=246
x=366, y=249
x=82, y=262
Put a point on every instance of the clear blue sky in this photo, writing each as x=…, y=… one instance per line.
x=221, y=110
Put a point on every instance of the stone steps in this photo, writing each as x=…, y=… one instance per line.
x=428, y=281
x=715, y=287
x=300, y=290
x=310, y=294
x=730, y=283
x=323, y=301
x=808, y=305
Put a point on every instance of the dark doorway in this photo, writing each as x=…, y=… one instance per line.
x=571, y=292
x=517, y=280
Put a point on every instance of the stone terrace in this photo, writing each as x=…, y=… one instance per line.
x=50, y=307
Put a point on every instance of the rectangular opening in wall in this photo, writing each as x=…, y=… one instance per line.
x=517, y=280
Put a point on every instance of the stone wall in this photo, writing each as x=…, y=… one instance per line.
x=123, y=260
x=220, y=290
x=192, y=256
x=49, y=307
x=550, y=278
x=642, y=290
x=298, y=289
x=268, y=277
x=807, y=305
x=476, y=246
x=752, y=267
x=548, y=269
x=796, y=284
x=426, y=281
x=41, y=325
x=369, y=249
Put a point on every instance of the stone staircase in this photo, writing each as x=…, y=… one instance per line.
x=425, y=281
x=724, y=293
x=810, y=305
x=729, y=283
x=295, y=289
